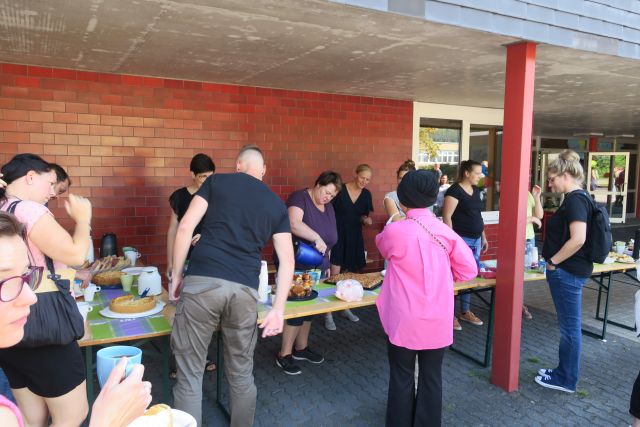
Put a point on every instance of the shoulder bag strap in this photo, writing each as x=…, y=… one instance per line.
x=52, y=271
x=433, y=236
x=12, y=207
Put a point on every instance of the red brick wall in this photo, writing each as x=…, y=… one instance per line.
x=126, y=141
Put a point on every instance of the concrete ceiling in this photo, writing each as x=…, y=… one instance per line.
x=316, y=45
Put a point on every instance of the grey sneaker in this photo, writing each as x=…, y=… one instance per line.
x=349, y=315
x=288, y=365
x=329, y=323
x=308, y=355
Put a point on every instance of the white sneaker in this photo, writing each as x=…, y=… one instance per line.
x=349, y=315
x=329, y=323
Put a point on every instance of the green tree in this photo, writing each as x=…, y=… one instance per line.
x=427, y=144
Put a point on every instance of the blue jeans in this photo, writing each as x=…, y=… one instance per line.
x=566, y=291
x=476, y=246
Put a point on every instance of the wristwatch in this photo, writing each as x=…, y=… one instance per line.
x=551, y=263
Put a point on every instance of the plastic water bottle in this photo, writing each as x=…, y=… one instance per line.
x=534, y=257
x=263, y=284
x=90, y=255
x=527, y=255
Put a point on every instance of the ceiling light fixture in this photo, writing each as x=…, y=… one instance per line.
x=588, y=134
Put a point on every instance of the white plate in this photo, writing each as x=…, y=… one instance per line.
x=134, y=271
x=383, y=272
x=106, y=312
x=608, y=260
x=182, y=419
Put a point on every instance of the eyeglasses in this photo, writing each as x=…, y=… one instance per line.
x=11, y=287
x=551, y=179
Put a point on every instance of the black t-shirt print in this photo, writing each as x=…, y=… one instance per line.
x=575, y=207
x=242, y=215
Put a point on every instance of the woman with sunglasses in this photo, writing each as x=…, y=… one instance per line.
x=119, y=403
x=46, y=381
x=568, y=267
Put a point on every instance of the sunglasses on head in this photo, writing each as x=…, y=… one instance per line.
x=11, y=287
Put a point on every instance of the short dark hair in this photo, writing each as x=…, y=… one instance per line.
x=61, y=174
x=19, y=166
x=329, y=177
x=9, y=225
x=466, y=166
x=201, y=163
x=250, y=147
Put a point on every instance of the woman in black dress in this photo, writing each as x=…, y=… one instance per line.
x=352, y=208
x=201, y=167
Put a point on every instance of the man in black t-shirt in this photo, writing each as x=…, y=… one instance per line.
x=239, y=215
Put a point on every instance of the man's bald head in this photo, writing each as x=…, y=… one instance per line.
x=251, y=161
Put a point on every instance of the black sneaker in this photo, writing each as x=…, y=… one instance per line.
x=308, y=355
x=288, y=365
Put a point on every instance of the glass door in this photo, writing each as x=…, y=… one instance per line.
x=607, y=182
x=485, y=146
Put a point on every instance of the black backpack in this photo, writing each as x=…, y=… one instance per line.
x=599, y=239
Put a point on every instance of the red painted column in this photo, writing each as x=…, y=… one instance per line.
x=593, y=144
x=516, y=160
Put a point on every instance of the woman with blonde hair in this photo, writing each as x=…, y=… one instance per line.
x=568, y=267
x=352, y=207
x=49, y=380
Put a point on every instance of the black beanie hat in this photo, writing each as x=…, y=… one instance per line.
x=418, y=189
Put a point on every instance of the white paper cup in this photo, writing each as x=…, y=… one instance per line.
x=132, y=256
x=620, y=249
x=84, y=309
x=90, y=292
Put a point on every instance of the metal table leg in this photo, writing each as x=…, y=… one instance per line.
x=486, y=360
x=488, y=344
x=88, y=362
x=611, y=322
x=166, y=351
x=602, y=288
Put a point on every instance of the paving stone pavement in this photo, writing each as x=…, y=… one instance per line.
x=350, y=387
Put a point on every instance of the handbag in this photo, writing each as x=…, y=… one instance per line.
x=54, y=319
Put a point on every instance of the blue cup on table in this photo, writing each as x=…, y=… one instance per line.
x=108, y=357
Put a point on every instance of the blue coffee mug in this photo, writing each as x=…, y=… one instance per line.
x=108, y=357
x=308, y=255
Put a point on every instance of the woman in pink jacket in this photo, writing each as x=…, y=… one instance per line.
x=416, y=302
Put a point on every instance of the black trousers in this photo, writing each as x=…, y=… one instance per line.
x=405, y=407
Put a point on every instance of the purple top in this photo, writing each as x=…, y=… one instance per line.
x=323, y=223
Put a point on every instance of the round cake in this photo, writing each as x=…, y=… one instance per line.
x=127, y=304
